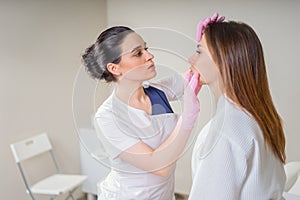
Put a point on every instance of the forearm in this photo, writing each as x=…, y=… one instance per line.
x=160, y=160
x=170, y=150
x=179, y=142
x=163, y=157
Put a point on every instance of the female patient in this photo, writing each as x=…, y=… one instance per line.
x=240, y=153
x=136, y=124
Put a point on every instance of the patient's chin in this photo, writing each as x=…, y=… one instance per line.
x=202, y=82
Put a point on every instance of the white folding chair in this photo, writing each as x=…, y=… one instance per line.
x=292, y=171
x=53, y=185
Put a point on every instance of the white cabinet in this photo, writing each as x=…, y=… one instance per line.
x=92, y=158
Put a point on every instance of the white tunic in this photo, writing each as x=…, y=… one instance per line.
x=119, y=127
x=230, y=160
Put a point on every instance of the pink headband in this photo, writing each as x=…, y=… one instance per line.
x=205, y=22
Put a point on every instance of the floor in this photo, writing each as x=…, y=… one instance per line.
x=177, y=196
x=181, y=196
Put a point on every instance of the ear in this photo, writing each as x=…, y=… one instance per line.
x=113, y=68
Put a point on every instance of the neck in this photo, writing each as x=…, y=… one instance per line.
x=130, y=91
x=217, y=89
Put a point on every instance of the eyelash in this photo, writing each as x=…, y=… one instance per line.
x=198, y=52
x=139, y=53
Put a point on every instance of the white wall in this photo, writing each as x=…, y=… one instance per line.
x=41, y=43
x=276, y=23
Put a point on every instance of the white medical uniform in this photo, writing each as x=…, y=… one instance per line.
x=231, y=161
x=119, y=127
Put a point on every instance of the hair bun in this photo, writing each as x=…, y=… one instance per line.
x=90, y=62
x=106, y=49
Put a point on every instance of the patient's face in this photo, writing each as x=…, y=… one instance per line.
x=201, y=62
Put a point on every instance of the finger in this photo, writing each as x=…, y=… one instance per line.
x=198, y=88
x=194, y=82
x=206, y=21
x=196, y=85
x=221, y=19
x=214, y=17
x=188, y=76
x=199, y=30
x=195, y=76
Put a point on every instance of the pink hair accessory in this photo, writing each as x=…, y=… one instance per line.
x=205, y=22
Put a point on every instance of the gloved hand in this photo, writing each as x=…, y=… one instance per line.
x=205, y=22
x=197, y=86
x=191, y=105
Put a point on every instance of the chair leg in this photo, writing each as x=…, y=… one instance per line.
x=70, y=195
x=53, y=197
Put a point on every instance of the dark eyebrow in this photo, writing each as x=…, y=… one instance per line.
x=137, y=47
x=199, y=45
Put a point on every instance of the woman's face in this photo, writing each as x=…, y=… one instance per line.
x=136, y=62
x=201, y=62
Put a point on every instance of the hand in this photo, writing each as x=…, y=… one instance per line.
x=195, y=84
x=205, y=22
x=191, y=105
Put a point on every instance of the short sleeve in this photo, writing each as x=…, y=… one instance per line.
x=221, y=174
x=112, y=137
x=173, y=86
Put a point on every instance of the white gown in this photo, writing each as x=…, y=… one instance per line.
x=119, y=127
x=230, y=160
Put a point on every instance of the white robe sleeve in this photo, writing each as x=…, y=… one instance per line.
x=173, y=86
x=112, y=137
x=221, y=174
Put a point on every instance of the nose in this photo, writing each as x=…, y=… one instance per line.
x=191, y=60
x=148, y=56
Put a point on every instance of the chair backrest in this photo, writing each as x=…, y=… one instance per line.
x=292, y=171
x=30, y=147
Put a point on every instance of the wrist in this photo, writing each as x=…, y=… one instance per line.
x=185, y=123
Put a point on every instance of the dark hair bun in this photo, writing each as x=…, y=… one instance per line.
x=91, y=64
x=105, y=50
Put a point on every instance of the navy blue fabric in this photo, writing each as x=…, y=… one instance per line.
x=159, y=101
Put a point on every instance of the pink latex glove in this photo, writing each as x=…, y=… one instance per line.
x=205, y=22
x=191, y=105
x=198, y=86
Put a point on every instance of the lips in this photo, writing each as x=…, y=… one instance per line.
x=151, y=66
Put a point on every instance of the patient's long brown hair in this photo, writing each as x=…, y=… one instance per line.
x=237, y=51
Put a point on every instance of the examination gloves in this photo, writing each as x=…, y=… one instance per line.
x=191, y=104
